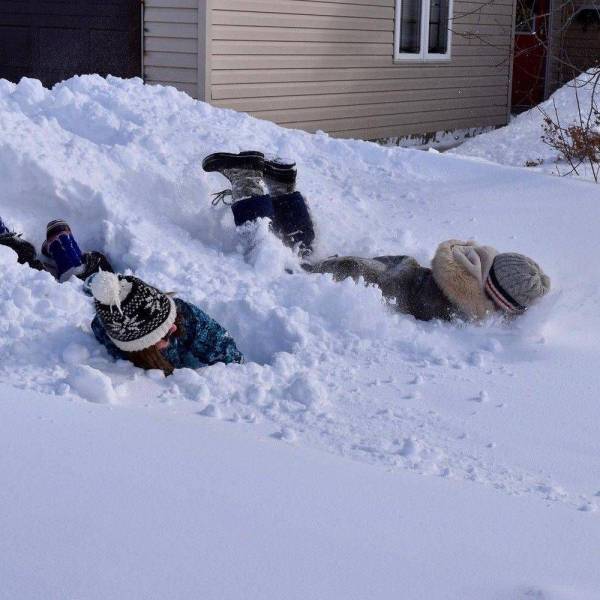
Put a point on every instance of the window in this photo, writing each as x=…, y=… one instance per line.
x=422, y=29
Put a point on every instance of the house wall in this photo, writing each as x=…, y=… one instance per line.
x=328, y=65
x=573, y=47
x=173, y=29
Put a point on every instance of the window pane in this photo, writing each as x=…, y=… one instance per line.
x=438, y=26
x=410, y=26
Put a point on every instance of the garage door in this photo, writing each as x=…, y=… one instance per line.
x=53, y=40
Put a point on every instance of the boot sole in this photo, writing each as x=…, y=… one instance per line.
x=227, y=160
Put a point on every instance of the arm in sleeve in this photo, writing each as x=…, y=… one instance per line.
x=210, y=342
x=102, y=337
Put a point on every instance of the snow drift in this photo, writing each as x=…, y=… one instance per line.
x=328, y=364
x=521, y=140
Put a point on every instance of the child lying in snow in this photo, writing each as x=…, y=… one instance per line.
x=137, y=322
x=465, y=281
x=63, y=258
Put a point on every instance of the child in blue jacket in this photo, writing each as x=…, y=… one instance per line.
x=139, y=323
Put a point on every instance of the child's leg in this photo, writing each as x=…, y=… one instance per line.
x=61, y=247
x=252, y=208
x=292, y=221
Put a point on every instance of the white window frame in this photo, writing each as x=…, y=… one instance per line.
x=424, y=55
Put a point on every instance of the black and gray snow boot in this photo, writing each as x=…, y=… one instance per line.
x=280, y=176
x=26, y=253
x=244, y=171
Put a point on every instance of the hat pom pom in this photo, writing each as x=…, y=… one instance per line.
x=106, y=288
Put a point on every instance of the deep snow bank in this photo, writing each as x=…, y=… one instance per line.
x=520, y=141
x=328, y=365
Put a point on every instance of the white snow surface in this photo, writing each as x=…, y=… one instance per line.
x=486, y=413
x=521, y=140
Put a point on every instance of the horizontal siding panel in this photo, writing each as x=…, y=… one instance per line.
x=171, y=74
x=286, y=34
x=385, y=121
x=307, y=7
x=303, y=62
x=375, y=110
x=172, y=30
x=339, y=89
x=171, y=15
x=251, y=19
x=366, y=99
x=424, y=127
x=171, y=59
x=391, y=73
x=300, y=48
x=162, y=44
x=483, y=10
x=188, y=88
x=475, y=19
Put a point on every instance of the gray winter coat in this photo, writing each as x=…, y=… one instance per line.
x=452, y=288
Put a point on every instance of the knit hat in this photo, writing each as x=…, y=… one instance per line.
x=60, y=246
x=3, y=228
x=134, y=314
x=515, y=281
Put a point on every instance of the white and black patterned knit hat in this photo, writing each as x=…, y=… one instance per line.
x=134, y=314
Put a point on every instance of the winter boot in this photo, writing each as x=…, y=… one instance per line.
x=280, y=176
x=26, y=254
x=95, y=262
x=244, y=171
x=250, y=198
x=61, y=247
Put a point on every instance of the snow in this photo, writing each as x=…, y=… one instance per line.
x=521, y=141
x=401, y=455
x=121, y=503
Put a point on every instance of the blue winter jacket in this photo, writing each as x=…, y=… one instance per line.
x=204, y=342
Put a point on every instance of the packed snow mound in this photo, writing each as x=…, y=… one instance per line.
x=521, y=140
x=328, y=364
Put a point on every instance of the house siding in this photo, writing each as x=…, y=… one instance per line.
x=573, y=48
x=171, y=44
x=328, y=65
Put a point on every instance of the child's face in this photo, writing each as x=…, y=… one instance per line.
x=164, y=343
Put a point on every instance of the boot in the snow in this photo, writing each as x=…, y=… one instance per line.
x=61, y=247
x=244, y=171
x=95, y=262
x=280, y=176
x=26, y=254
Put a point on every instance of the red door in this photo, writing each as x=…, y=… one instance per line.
x=529, y=67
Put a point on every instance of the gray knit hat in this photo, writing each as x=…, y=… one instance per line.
x=515, y=281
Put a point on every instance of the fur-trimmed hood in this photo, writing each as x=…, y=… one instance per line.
x=460, y=270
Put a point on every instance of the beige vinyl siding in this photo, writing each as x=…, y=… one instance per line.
x=328, y=65
x=171, y=44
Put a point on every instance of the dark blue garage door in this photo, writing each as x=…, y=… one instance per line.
x=53, y=40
